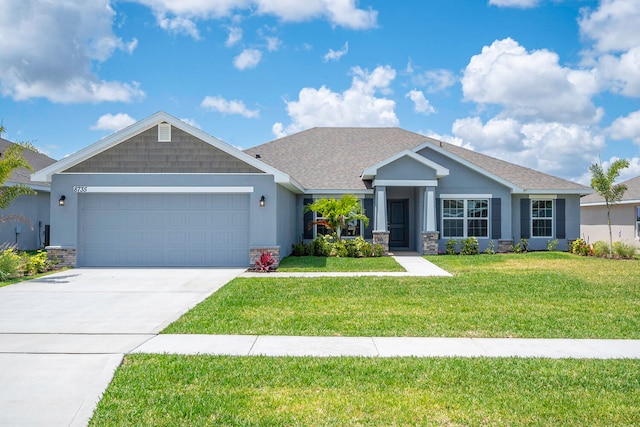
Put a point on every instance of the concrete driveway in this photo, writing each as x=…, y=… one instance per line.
x=63, y=336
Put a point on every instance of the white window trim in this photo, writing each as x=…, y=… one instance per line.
x=552, y=218
x=637, y=222
x=317, y=217
x=465, y=218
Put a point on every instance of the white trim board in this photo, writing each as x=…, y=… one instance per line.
x=81, y=189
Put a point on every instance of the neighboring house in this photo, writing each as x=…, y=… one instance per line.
x=35, y=208
x=163, y=193
x=625, y=216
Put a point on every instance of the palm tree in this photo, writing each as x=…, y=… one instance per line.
x=603, y=182
x=336, y=214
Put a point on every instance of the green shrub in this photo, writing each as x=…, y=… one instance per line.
x=623, y=250
x=469, y=246
x=491, y=248
x=339, y=249
x=580, y=247
x=601, y=248
x=35, y=263
x=451, y=247
x=10, y=264
x=300, y=249
x=552, y=245
x=320, y=246
x=363, y=248
x=378, y=250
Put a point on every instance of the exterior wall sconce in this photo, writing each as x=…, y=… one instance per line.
x=262, y=201
x=61, y=201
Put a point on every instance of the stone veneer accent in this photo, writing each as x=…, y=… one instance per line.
x=504, y=246
x=382, y=237
x=430, y=242
x=61, y=256
x=255, y=252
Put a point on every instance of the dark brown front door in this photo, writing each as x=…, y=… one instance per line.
x=398, y=217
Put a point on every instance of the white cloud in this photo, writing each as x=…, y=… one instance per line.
x=49, y=50
x=181, y=16
x=235, y=35
x=357, y=106
x=631, y=172
x=192, y=122
x=334, y=55
x=343, y=13
x=613, y=26
x=434, y=80
x=626, y=128
x=523, y=4
x=179, y=25
x=113, y=122
x=530, y=84
x=273, y=43
x=420, y=103
x=613, y=29
x=249, y=58
x=555, y=148
x=218, y=103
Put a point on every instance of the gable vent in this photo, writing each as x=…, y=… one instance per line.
x=164, y=132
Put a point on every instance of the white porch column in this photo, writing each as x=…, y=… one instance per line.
x=430, y=209
x=381, y=209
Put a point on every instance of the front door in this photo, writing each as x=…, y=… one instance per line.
x=398, y=216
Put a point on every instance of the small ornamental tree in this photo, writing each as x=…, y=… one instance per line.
x=603, y=182
x=337, y=213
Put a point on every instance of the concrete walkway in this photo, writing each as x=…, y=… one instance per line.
x=414, y=264
x=255, y=345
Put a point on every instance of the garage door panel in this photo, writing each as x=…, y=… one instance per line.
x=164, y=230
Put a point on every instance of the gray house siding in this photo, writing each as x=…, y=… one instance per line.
x=522, y=220
x=35, y=208
x=286, y=219
x=143, y=153
x=405, y=169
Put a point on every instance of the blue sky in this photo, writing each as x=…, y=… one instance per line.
x=550, y=84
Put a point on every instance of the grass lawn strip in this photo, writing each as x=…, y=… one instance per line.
x=163, y=390
x=541, y=295
x=333, y=264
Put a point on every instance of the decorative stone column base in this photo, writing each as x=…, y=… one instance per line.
x=382, y=237
x=61, y=256
x=430, y=242
x=504, y=246
x=256, y=251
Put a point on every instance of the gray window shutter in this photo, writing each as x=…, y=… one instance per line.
x=525, y=212
x=561, y=219
x=496, y=218
x=307, y=233
x=367, y=204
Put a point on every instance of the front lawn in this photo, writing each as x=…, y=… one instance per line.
x=325, y=264
x=164, y=390
x=542, y=295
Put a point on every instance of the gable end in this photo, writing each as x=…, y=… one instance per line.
x=143, y=153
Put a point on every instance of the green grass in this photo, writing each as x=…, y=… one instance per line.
x=25, y=278
x=163, y=390
x=544, y=295
x=311, y=263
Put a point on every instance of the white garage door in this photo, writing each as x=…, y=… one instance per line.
x=164, y=230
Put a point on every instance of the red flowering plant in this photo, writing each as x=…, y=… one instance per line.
x=265, y=263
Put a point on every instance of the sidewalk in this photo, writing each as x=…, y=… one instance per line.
x=414, y=264
x=255, y=345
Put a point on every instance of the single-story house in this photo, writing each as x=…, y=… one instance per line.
x=33, y=233
x=163, y=193
x=625, y=216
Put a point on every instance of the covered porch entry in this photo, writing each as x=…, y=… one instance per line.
x=405, y=202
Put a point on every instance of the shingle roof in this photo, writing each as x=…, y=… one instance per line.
x=36, y=160
x=334, y=158
x=632, y=193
